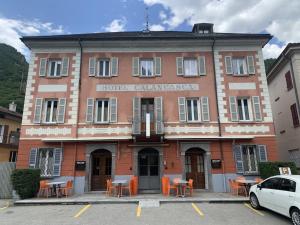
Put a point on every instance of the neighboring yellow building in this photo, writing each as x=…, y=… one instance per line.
x=10, y=123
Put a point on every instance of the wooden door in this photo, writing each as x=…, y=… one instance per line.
x=101, y=170
x=194, y=167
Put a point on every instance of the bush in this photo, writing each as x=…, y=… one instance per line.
x=268, y=169
x=26, y=182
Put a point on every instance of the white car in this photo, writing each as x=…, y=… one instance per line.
x=280, y=194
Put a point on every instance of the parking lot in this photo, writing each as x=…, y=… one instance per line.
x=115, y=214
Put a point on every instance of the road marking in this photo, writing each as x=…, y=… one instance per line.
x=254, y=210
x=138, y=211
x=82, y=210
x=197, y=209
x=5, y=207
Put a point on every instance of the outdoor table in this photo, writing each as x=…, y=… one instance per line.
x=56, y=186
x=181, y=184
x=119, y=184
x=247, y=183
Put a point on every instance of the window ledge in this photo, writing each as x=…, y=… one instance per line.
x=102, y=77
x=242, y=75
x=54, y=77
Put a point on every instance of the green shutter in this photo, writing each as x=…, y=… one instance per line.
x=135, y=66
x=33, y=158
x=57, y=154
x=238, y=155
x=113, y=110
x=43, y=67
x=159, y=125
x=250, y=64
x=233, y=108
x=89, y=110
x=114, y=66
x=61, y=110
x=256, y=107
x=65, y=66
x=205, y=108
x=228, y=65
x=92, y=66
x=157, y=66
x=201, y=65
x=182, y=109
x=179, y=65
x=38, y=110
x=136, y=121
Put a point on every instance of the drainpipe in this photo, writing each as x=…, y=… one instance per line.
x=218, y=116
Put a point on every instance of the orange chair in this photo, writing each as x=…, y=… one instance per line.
x=164, y=185
x=109, y=187
x=173, y=187
x=235, y=188
x=134, y=187
x=128, y=187
x=189, y=186
x=68, y=189
x=44, y=188
x=258, y=180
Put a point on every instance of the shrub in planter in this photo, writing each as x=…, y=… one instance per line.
x=26, y=182
x=268, y=169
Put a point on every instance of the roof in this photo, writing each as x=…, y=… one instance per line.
x=11, y=114
x=147, y=35
x=281, y=59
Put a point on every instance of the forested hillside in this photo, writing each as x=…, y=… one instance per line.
x=13, y=67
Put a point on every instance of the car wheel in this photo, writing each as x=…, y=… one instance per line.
x=254, y=201
x=295, y=216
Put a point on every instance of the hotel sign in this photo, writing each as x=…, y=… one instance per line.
x=147, y=87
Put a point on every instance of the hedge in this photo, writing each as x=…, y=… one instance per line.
x=26, y=182
x=268, y=169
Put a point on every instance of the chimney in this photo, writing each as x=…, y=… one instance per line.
x=12, y=106
x=203, y=28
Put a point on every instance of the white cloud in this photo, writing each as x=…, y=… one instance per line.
x=277, y=17
x=116, y=25
x=12, y=30
x=156, y=27
x=272, y=50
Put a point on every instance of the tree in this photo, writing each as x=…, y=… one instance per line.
x=268, y=64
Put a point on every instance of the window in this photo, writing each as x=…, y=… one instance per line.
x=239, y=66
x=146, y=67
x=104, y=68
x=288, y=185
x=288, y=79
x=190, y=67
x=102, y=111
x=13, y=156
x=193, y=110
x=147, y=106
x=1, y=133
x=50, y=109
x=243, y=109
x=54, y=68
x=46, y=161
x=295, y=117
x=272, y=183
x=250, y=159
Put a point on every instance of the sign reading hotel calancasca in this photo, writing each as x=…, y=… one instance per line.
x=147, y=87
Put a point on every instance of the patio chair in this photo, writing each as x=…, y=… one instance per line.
x=189, y=186
x=235, y=188
x=134, y=187
x=127, y=187
x=68, y=189
x=44, y=188
x=173, y=186
x=109, y=187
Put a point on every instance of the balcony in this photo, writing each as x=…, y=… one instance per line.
x=11, y=140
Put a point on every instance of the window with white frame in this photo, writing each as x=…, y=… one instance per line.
x=190, y=67
x=54, y=68
x=193, y=111
x=104, y=68
x=45, y=160
x=250, y=158
x=50, y=110
x=102, y=111
x=239, y=66
x=146, y=67
x=244, y=108
x=1, y=133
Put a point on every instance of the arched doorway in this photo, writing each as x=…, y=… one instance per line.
x=149, y=169
x=194, y=167
x=101, y=161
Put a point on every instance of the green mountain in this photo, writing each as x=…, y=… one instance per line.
x=13, y=76
x=268, y=64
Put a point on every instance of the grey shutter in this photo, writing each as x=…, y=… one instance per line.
x=38, y=110
x=256, y=107
x=179, y=65
x=205, y=108
x=238, y=155
x=114, y=66
x=136, y=122
x=250, y=63
x=228, y=65
x=113, y=110
x=159, y=125
x=43, y=67
x=5, y=139
x=157, y=66
x=92, y=66
x=89, y=110
x=201, y=65
x=57, y=161
x=65, y=66
x=182, y=109
x=135, y=66
x=262, y=152
x=233, y=108
x=61, y=110
x=33, y=158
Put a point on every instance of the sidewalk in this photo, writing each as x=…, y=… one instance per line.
x=101, y=198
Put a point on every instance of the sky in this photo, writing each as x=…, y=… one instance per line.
x=280, y=18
